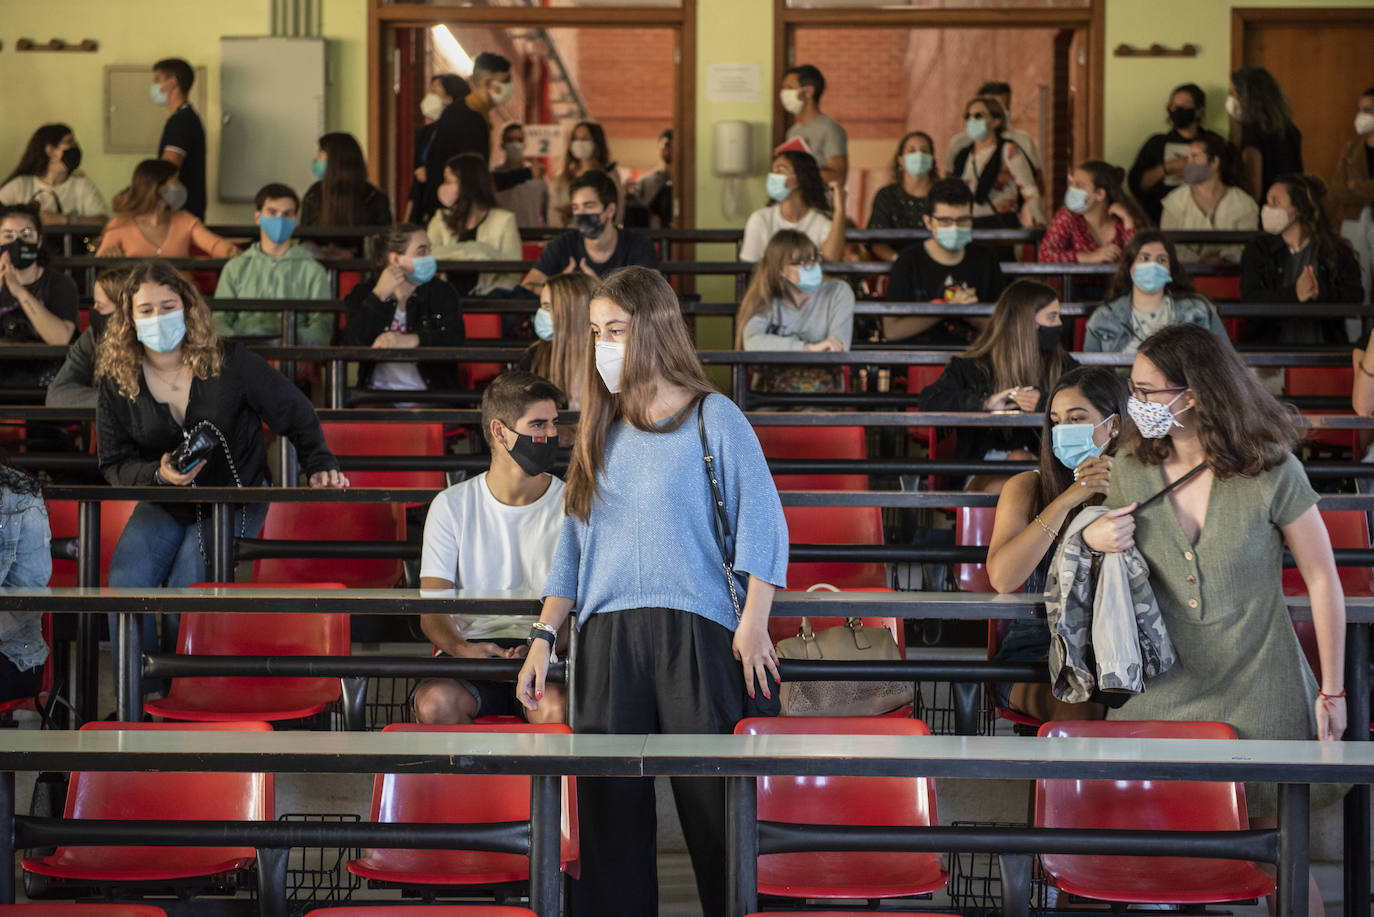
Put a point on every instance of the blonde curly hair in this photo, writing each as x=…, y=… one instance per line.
x=119, y=355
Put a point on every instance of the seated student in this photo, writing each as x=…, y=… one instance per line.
x=48, y=175
x=1209, y=199
x=587, y=152
x=273, y=268
x=947, y=267
x=470, y=227
x=1087, y=408
x=650, y=199
x=1299, y=259
x=997, y=170
x=597, y=246
x=1158, y=167
x=37, y=306
x=905, y=203
x=150, y=221
x=495, y=534
x=341, y=194
x=1016, y=359
x=1097, y=220
x=1151, y=290
x=560, y=354
x=797, y=201
x=801, y=91
x=406, y=306
x=528, y=199
x=1001, y=91
x=25, y=560
x=74, y=385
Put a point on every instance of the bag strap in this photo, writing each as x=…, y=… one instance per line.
x=1192, y=472
x=722, y=524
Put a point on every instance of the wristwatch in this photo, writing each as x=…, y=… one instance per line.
x=541, y=631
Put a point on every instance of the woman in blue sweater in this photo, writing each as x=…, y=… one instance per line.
x=667, y=644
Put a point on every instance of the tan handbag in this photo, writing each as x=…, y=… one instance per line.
x=849, y=641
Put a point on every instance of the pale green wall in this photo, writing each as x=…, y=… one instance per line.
x=41, y=87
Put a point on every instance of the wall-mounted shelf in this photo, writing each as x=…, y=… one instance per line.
x=57, y=44
x=1156, y=50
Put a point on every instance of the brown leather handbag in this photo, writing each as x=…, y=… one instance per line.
x=849, y=641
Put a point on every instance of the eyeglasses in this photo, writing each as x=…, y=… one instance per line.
x=808, y=263
x=952, y=221
x=28, y=234
x=1143, y=394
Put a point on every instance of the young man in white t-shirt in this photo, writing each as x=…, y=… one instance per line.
x=495, y=535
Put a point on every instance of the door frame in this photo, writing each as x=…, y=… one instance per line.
x=1091, y=18
x=382, y=17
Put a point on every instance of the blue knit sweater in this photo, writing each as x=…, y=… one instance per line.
x=650, y=541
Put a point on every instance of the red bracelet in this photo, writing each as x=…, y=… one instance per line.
x=1331, y=696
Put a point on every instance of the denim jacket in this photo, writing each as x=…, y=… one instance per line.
x=1109, y=328
x=25, y=560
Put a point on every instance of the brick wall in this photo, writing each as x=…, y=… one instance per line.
x=626, y=79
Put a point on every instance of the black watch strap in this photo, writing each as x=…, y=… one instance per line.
x=538, y=633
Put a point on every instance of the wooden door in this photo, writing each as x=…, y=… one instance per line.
x=1322, y=59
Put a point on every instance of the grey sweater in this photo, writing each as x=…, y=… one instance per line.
x=71, y=387
x=829, y=311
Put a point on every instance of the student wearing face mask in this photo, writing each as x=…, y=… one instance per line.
x=560, y=354
x=947, y=267
x=470, y=227
x=587, y=152
x=492, y=534
x=443, y=89
x=1158, y=167
x=668, y=641
x=341, y=194
x=1352, y=189
x=1210, y=199
x=905, y=203
x=1087, y=408
x=465, y=126
x=49, y=176
x=1202, y=423
x=1097, y=220
x=597, y=245
x=1298, y=259
x=74, y=385
x=152, y=222
x=1001, y=92
x=800, y=95
x=37, y=306
x=405, y=306
x=1016, y=358
x=528, y=199
x=797, y=200
x=1151, y=290
x=1270, y=143
x=274, y=268
x=1000, y=174
x=183, y=136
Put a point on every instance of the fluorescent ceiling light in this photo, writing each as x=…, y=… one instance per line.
x=448, y=48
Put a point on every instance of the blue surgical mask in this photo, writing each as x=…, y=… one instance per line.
x=543, y=325
x=1150, y=276
x=918, y=163
x=953, y=238
x=422, y=269
x=157, y=94
x=976, y=128
x=317, y=168
x=278, y=229
x=777, y=186
x=809, y=278
x=1076, y=199
x=1073, y=443
x=161, y=333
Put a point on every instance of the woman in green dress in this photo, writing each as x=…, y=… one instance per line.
x=1215, y=549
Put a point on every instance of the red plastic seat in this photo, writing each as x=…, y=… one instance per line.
x=160, y=796
x=1147, y=805
x=59, y=909
x=815, y=443
x=459, y=799
x=220, y=698
x=480, y=328
x=908, y=801
x=835, y=525
x=433, y=910
x=973, y=527
x=337, y=521
x=1326, y=380
x=938, y=446
x=388, y=439
x=63, y=519
x=1348, y=528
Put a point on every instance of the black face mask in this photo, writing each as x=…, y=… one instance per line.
x=71, y=158
x=534, y=455
x=1182, y=117
x=1050, y=336
x=98, y=322
x=22, y=254
x=590, y=225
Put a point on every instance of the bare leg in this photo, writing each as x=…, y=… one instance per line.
x=444, y=700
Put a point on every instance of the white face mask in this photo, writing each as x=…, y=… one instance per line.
x=1233, y=107
x=792, y=102
x=610, y=360
x=1364, y=123
x=431, y=106
x=503, y=93
x=1274, y=220
x=582, y=149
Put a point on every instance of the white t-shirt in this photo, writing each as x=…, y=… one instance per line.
x=78, y=195
x=392, y=376
x=766, y=221
x=479, y=543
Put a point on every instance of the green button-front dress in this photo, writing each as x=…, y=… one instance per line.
x=1239, y=661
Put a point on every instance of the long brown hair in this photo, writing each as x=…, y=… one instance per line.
x=119, y=355
x=1106, y=392
x=142, y=196
x=1110, y=178
x=767, y=283
x=899, y=170
x=1242, y=428
x=1008, y=347
x=344, y=190
x=475, y=189
x=563, y=360
x=657, y=349
x=1180, y=283
x=1306, y=192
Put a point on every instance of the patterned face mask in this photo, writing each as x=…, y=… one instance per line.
x=1154, y=421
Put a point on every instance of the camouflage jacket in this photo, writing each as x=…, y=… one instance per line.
x=1108, y=624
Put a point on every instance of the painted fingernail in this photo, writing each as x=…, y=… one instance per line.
x=767, y=695
x=751, y=695
x=539, y=696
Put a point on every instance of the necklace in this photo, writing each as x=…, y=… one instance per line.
x=172, y=381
